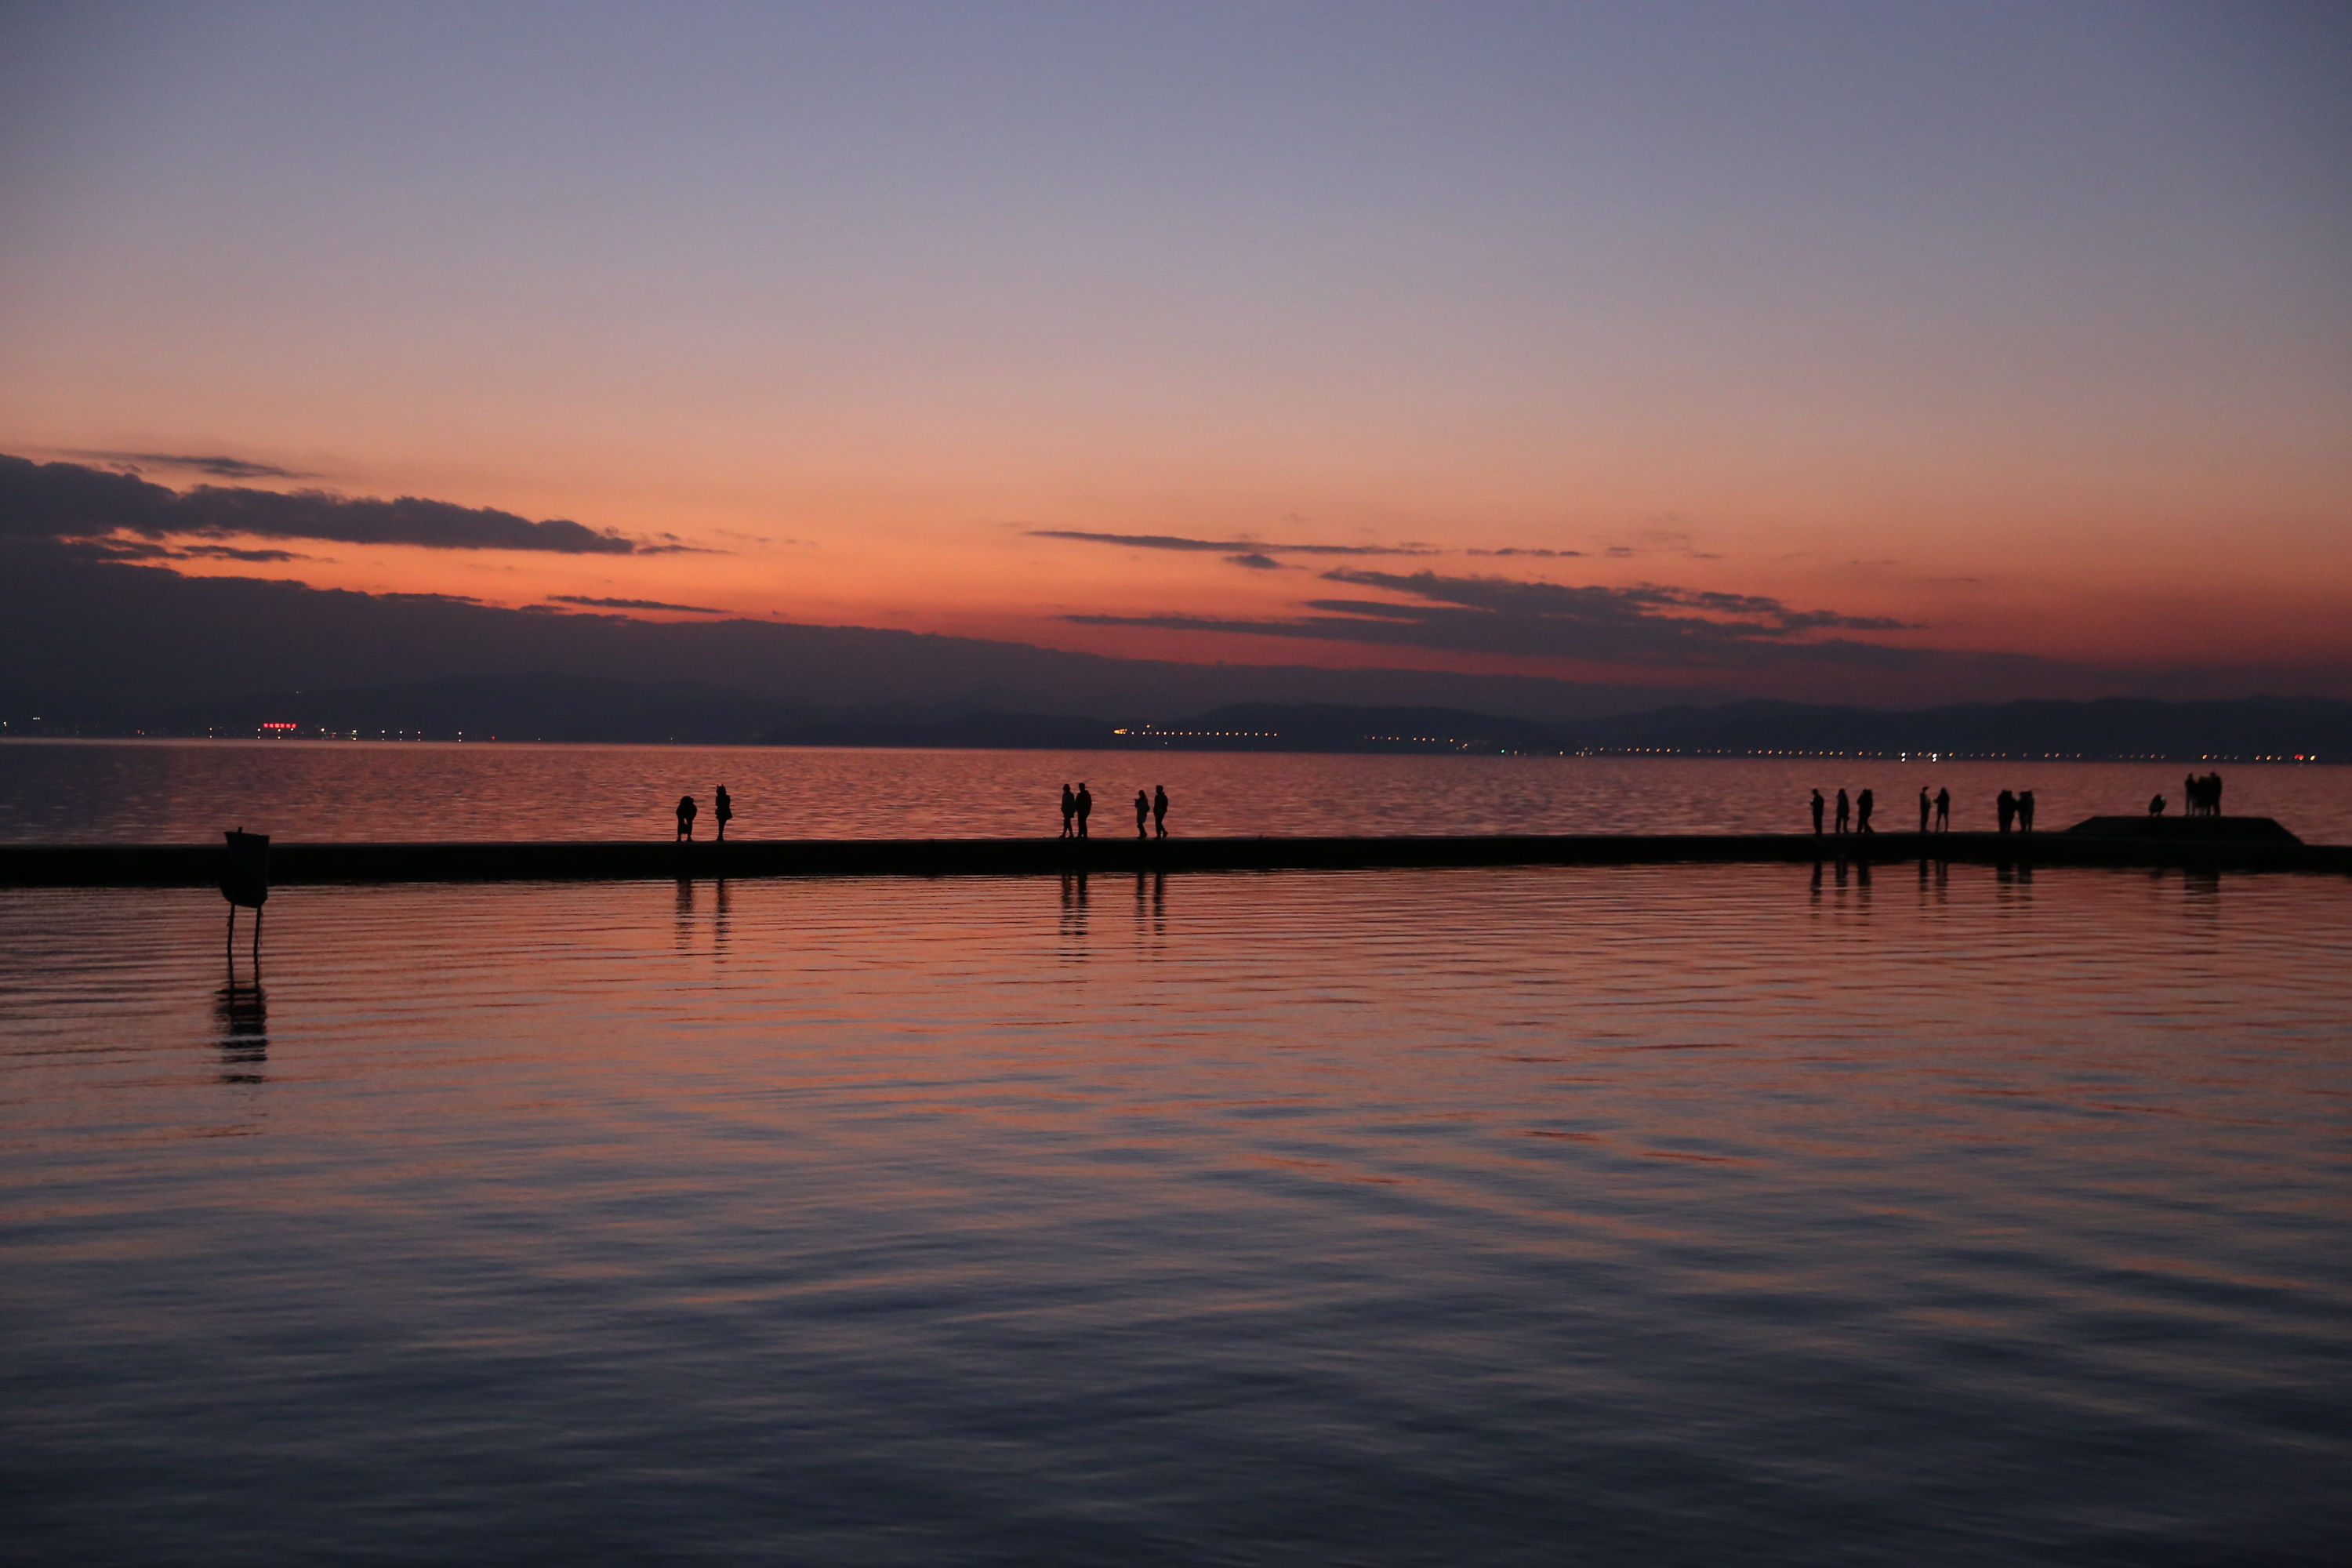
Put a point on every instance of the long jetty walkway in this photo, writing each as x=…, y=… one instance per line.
x=196, y=865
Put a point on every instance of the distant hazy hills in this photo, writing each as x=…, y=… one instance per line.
x=575, y=708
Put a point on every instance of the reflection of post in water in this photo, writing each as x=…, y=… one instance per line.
x=243, y=1014
x=245, y=881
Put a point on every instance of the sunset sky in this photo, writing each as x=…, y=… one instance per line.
x=1649, y=342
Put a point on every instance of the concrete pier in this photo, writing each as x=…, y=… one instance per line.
x=297, y=865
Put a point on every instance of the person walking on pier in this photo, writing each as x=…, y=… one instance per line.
x=1160, y=811
x=2025, y=811
x=1863, y=803
x=686, y=814
x=1943, y=811
x=1069, y=811
x=722, y=812
x=1143, y=814
x=1085, y=807
x=1844, y=811
x=1818, y=804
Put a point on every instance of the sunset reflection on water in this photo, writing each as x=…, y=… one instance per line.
x=1694, y=1213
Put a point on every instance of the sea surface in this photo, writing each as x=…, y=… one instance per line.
x=166, y=792
x=1706, y=1214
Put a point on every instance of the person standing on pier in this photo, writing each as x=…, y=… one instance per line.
x=722, y=812
x=685, y=815
x=1943, y=811
x=1085, y=807
x=1818, y=804
x=1069, y=811
x=1160, y=811
x=1863, y=804
x=1143, y=814
x=2004, y=809
x=1926, y=806
x=1844, y=811
x=2025, y=811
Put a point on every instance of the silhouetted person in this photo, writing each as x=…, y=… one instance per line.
x=2156, y=805
x=1943, y=811
x=2192, y=796
x=1160, y=811
x=1818, y=804
x=1863, y=803
x=2004, y=808
x=1085, y=807
x=1844, y=811
x=2025, y=811
x=722, y=812
x=2213, y=792
x=1926, y=806
x=1143, y=814
x=685, y=815
x=1069, y=812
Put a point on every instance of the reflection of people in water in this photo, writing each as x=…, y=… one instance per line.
x=1085, y=807
x=1818, y=804
x=1160, y=811
x=1143, y=814
x=1844, y=811
x=1943, y=811
x=1863, y=803
x=1069, y=811
x=722, y=812
x=685, y=815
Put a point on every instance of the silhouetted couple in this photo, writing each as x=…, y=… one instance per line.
x=1848, y=818
x=2014, y=809
x=1153, y=807
x=1075, y=809
x=2202, y=795
x=1941, y=806
x=722, y=812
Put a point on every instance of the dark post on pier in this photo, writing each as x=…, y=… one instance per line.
x=245, y=880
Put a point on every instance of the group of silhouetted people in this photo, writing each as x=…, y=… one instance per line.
x=722, y=812
x=2014, y=810
x=1853, y=815
x=1150, y=812
x=2202, y=795
x=1934, y=811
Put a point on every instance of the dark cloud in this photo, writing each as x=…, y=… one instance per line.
x=70, y=501
x=1537, y=554
x=1647, y=624
x=1226, y=546
x=634, y=605
x=231, y=552
x=218, y=467
x=1255, y=562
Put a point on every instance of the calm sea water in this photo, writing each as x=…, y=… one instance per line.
x=167, y=792
x=1701, y=1214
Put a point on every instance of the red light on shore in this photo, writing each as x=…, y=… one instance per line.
x=270, y=726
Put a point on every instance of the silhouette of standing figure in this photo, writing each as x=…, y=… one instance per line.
x=2156, y=807
x=722, y=812
x=1818, y=804
x=2004, y=809
x=2192, y=801
x=1844, y=811
x=1143, y=814
x=1926, y=806
x=1943, y=811
x=2213, y=795
x=2025, y=811
x=1085, y=807
x=686, y=813
x=1069, y=811
x=1160, y=811
x=1861, y=807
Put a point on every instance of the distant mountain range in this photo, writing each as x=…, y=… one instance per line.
x=578, y=707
